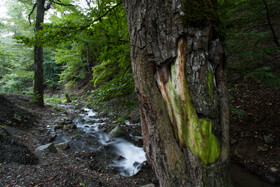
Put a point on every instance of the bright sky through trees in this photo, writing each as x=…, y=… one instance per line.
x=3, y=9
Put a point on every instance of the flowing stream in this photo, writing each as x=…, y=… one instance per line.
x=127, y=157
x=89, y=137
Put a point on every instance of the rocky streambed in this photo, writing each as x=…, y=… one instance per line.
x=86, y=131
x=70, y=146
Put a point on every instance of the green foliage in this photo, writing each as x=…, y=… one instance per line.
x=236, y=110
x=15, y=67
x=1, y=132
x=117, y=87
x=79, y=44
x=73, y=65
x=51, y=69
x=35, y=97
x=56, y=99
x=51, y=74
x=250, y=44
x=101, y=51
x=113, y=71
x=16, y=60
x=263, y=75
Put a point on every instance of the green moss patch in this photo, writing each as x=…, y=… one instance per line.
x=191, y=131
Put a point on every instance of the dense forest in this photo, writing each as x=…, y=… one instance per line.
x=89, y=42
x=122, y=59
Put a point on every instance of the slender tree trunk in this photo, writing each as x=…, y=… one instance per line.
x=270, y=25
x=180, y=81
x=38, y=57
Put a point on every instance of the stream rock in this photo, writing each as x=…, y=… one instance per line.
x=138, y=138
x=62, y=146
x=71, y=126
x=48, y=147
x=148, y=185
x=273, y=169
x=52, y=137
x=116, y=132
x=58, y=126
x=64, y=120
x=268, y=139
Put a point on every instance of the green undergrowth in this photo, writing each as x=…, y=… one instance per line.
x=56, y=99
x=252, y=50
x=120, y=85
x=263, y=74
x=59, y=99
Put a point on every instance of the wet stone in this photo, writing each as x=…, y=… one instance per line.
x=262, y=148
x=52, y=137
x=268, y=139
x=148, y=185
x=41, y=129
x=62, y=146
x=59, y=126
x=100, y=121
x=136, y=164
x=120, y=158
x=116, y=132
x=48, y=147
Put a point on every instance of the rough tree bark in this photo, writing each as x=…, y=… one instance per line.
x=38, y=57
x=180, y=81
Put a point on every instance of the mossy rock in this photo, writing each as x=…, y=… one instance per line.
x=116, y=132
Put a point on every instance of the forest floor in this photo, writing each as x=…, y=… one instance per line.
x=255, y=127
x=254, y=136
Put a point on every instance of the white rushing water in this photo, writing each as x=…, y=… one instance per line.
x=131, y=156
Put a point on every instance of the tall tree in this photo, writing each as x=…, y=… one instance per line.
x=38, y=48
x=178, y=63
x=38, y=55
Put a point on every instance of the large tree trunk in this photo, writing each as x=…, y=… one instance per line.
x=38, y=57
x=180, y=81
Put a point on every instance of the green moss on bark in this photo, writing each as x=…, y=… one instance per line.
x=192, y=131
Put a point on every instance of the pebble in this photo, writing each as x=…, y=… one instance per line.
x=268, y=139
x=262, y=148
x=273, y=169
